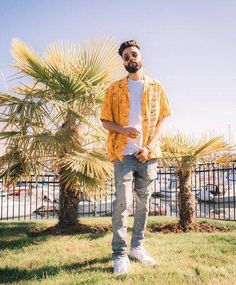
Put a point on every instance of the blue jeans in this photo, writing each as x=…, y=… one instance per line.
x=142, y=174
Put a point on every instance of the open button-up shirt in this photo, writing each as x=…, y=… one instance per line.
x=116, y=106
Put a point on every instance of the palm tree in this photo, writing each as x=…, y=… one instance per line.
x=184, y=153
x=50, y=120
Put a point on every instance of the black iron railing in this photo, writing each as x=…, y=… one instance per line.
x=213, y=187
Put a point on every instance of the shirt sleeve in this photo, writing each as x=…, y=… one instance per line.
x=165, y=110
x=106, y=110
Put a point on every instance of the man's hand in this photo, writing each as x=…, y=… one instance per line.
x=142, y=154
x=131, y=132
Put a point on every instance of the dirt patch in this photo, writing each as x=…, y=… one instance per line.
x=70, y=230
x=176, y=228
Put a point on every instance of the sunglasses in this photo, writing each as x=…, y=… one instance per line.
x=126, y=57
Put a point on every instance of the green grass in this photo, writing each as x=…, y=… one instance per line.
x=190, y=258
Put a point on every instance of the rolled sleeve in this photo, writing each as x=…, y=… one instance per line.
x=106, y=110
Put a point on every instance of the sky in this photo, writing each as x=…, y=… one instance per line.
x=190, y=46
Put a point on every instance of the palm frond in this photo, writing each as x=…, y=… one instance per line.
x=207, y=147
x=87, y=169
x=100, y=58
x=8, y=99
x=176, y=146
x=226, y=160
x=9, y=135
x=22, y=113
x=179, y=149
x=68, y=84
x=15, y=165
x=28, y=61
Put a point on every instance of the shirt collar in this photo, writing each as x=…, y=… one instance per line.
x=147, y=80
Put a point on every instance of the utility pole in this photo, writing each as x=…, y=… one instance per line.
x=229, y=133
x=4, y=80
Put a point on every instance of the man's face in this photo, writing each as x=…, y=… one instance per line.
x=132, y=59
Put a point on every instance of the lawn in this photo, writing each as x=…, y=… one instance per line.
x=187, y=258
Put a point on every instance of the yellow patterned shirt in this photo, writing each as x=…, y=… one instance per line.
x=116, y=106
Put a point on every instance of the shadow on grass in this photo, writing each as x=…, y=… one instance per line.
x=72, y=230
x=92, y=236
x=14, y=228
x=14, y=235
x=20, y=243
x=14, y=274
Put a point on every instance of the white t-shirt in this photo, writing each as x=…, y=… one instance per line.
x=135, y=119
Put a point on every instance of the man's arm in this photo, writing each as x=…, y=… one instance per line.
x=143, y=153
x=113, y=127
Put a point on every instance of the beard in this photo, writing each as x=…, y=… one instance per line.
x=133, y=67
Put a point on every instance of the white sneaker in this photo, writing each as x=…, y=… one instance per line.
x=121, y=265
x=141, y=255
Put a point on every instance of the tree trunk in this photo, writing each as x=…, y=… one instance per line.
x=186, y=199
x=69, y=197
x=68, y=206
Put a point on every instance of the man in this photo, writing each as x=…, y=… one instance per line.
x=133, y=111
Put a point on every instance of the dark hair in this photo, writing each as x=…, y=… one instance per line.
x=124, y=45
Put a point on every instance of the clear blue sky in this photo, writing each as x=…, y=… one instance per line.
x=190, y=46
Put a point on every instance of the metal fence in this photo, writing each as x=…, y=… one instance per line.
x=212, y=185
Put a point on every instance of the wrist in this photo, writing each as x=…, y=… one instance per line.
x=123, y=130
x=149, y=148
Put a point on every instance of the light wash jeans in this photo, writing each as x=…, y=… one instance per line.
x=142, y=174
